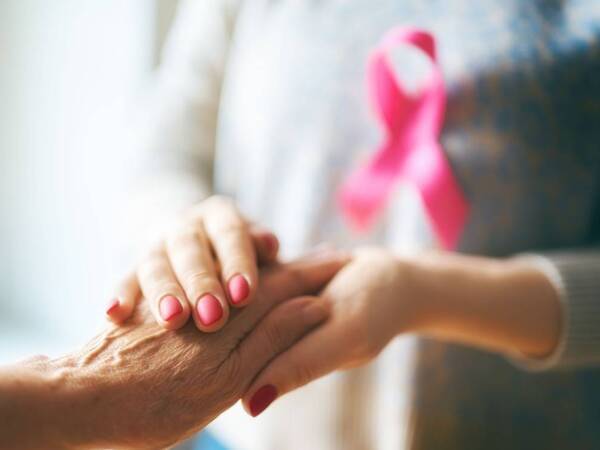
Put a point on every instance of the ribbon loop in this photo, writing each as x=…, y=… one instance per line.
x=410, y=148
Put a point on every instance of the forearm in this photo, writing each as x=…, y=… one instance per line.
x=41, y=405
x=508, y=306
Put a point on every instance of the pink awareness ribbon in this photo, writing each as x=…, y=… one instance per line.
x=410, y=149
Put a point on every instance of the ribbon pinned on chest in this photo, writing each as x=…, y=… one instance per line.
x=410, y=149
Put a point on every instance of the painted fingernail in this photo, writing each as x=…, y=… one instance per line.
x=209, y=309
x=238, y=288
x=112, y=306
x=272, y=244
x=169, y=307
x=262, y=399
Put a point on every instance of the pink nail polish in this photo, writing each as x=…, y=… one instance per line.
x=262, y=399
x=209, y=309
x=272, y=244
x=169, y=307
x=112, y=306
x=238, y=288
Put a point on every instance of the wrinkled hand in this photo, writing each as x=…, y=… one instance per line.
x=369, y=306
x=147, y=387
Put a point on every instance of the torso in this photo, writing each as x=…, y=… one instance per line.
x=521, y=133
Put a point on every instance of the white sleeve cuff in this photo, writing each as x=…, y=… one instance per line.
x=576, y=278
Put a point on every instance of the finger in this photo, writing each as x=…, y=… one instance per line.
x=303, y=277
x=192, y=261
x=266, y=244
x=160, y=286
x=316, y=355
x=122, y=305
x=229, y=235
x=279, y=330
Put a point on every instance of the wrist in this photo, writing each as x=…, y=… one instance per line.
x=505, y=305
x=537, y=328
x=76, y=392
x=391, y=283
x=413, y=308
x=30, y=399
x=53, y=398
x=421, y=293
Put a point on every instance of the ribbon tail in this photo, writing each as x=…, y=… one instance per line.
x=411, y=150
x=363, y=195
x=441, y=194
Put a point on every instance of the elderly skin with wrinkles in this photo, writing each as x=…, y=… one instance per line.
x=140, y=385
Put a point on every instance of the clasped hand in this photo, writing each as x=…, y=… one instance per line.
x=214, y=247
x=139, y=385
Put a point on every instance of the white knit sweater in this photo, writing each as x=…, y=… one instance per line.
x=265, y=101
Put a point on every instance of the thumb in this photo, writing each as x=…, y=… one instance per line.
x=278, y=331
x=316, y=355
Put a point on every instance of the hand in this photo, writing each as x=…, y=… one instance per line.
x=141, y=386
x=507, y=306
x=368, y=308
x=205, y=264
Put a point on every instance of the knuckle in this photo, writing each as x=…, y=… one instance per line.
x=156, y=251
x=182, y=237
x=193, y=216
x=210, y=204
x=301, y=374
x=216, y=202
x=221, y=199
x=151, y=270
x=149, y=263
x=238, y=262
x=196, y=279
x=164, y=288
x=231, y=228
x=234, y=249
x=232, y=376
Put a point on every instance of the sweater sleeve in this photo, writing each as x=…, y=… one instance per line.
x=576, y=277
x=172, y=142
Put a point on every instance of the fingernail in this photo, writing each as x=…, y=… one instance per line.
x=209, y=309
x=272, y=243
x=169, y=307
x=112, y=306
x=262, y=399
x=238, y=288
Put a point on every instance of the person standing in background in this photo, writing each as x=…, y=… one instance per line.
x=264, y=101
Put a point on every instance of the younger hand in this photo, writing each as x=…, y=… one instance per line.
x=369, y=306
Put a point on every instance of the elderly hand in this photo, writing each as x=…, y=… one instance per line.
x=205, y=265
x=142, y=386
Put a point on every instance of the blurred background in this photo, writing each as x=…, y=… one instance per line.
x=71, y=72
